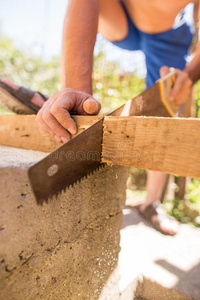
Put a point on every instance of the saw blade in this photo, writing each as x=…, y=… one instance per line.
x=68, y=164
x=148, y=103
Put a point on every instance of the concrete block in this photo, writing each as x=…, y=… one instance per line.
x=67, y=249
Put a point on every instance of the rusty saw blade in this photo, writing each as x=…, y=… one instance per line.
x=82, y=155
x=67, y=164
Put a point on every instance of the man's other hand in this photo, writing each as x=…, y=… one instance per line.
x=54, y=117
x=182, y=87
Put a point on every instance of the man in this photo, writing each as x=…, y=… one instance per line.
x=159, y=28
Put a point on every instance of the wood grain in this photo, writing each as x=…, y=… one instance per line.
x=22, y=131
x=169, y=145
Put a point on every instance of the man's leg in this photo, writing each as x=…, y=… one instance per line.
x=155, y=184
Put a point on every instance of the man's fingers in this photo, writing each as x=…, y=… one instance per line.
x=179, y=84
x=43, y=125
x=182, y=87
x=63, y=117
x=46, y=119
x=51, y=121
x=184, y=93
x=189, y=83
x=91, y=106
x=54, y=117
x=164, y=71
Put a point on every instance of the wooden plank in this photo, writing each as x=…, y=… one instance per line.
x=22, y=131
x=169, y=145
x=189, y=110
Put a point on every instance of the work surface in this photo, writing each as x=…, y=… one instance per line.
x=170, y=265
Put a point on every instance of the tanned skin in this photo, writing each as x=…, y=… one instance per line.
x=82, y=22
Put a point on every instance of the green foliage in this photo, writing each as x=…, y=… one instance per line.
x=36, y=74
x=188, y=210
x=24, y=68
x=198, y=99
x=112, y=87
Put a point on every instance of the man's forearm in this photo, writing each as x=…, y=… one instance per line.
x=193, y=67
x=79, y=35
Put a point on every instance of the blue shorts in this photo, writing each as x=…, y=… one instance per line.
x=169, y=48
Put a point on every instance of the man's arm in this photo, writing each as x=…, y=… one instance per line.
x=193, y=67
x=79, y=36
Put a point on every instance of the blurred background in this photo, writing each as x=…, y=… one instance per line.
x=30, y=45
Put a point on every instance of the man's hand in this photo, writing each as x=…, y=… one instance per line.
x=54, y=117
x=182, y=87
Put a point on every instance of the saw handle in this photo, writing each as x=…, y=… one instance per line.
x=171, y=76
x=166, y=84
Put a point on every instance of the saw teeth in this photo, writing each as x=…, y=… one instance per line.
x=66, y=189
x=71, y=186
x=42, y=201
x=85, y=177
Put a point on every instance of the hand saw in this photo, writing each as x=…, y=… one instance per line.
x=81, y=156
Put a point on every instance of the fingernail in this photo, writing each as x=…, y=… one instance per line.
x=72, y=130
x=57, y=138
x=64, y=139
x=90, y=106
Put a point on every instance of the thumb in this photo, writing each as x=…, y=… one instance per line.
x=91, y=106
x=164, y=71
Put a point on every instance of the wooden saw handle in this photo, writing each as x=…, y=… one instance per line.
x=166, y=84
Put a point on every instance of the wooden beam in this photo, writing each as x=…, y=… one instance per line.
x=169, y=145
x=22, y=131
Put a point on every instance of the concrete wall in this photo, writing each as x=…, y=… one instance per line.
x=67, y=249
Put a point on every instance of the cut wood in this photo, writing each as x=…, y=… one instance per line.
x=22, y=131
x=169, y=145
